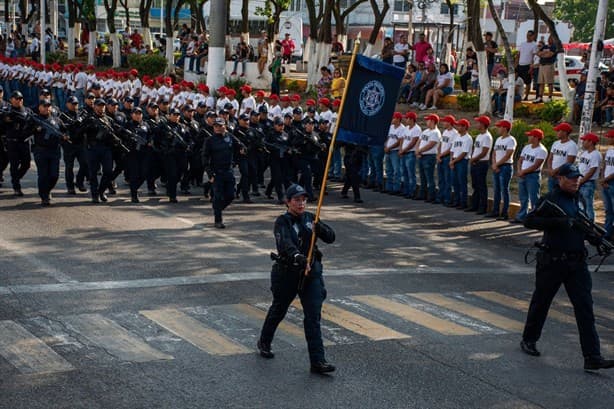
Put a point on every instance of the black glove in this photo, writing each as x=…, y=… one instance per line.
x=300, y=261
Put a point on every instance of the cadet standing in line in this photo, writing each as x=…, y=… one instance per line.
x=293, y=232
x=562, y=260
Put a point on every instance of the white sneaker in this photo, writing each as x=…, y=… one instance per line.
x=433, y=108
x=422, y=107
x=415, y=104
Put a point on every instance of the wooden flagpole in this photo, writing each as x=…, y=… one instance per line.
x=331, y=149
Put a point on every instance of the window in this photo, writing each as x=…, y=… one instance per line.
x=446, y=10
x=295, y=5
x=401, y=5
x=344, y=4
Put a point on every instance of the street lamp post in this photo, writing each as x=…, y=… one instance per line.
x=41, y=40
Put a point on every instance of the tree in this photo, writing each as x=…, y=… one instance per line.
x=319, y=45
x=511, y=75
x=71, y=29
x=272, y=10
x=87, y=8
x=582, y=15
x=170, y=37
x=124, y=4
x=474, y=32
x=144, y=12
x=380, y=15
x=245, y=20
x=111, y=8
x=450, y=38
x=340, y=16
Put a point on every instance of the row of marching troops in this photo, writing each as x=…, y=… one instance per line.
x=178, y=146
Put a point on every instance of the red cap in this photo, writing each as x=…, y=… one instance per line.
x=484, y=120
x=203, y=87
x=397, y=115
x=463, y=122
x=274, y=97
x=411, y=115
x=504, y=124
x=90, y=68
x=563, y=126
x=324, y=101
x=246, y=88
x=538, y=133
x=432, y=117
x=168, y=80
x=310, y=102
x=222, y=89
x=260, y=93
x=134, y=72
x=284, y=98
x=590, y=137
x=231, y=91
x=449, y=118
x=610, y=134
x=336, y=102
x=295, y=97
x=176, y=86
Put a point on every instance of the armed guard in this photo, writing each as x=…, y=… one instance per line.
x=278, y=144
x=171, y=141
x=18, y=129
x=4, y=159
x=218, y=159
x=195, y=139
x=561, y=259
x=245, y=137
x=308, y=146
x=155, y=122
x=118, y=121
x=138, y=160
x=207, y=128
x=48, y=134
x=73, y=120
x=293, y=231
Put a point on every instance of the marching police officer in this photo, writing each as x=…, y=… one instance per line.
x=139, y=158
x=195, y=140
x=118, y=120
x=18, y=129
x=46, y=150
x=171, y=141
x=278, y=144
x=293, y=232
x=562, y=260
x=245, y=136
x=75, y=149
x=218, y=159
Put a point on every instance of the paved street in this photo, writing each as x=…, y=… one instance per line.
x=149, y=306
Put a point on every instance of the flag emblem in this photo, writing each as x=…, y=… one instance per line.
x=372, y=98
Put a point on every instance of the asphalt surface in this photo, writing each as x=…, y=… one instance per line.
x=148, y=306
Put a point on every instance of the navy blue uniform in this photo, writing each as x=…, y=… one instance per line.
x=293, y=237
x=46, y=150
x=18, y=129
x=74, y=151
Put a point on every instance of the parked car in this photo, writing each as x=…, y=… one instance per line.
x=574, y=67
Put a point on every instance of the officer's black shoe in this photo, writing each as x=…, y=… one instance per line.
x=45, y=202
x=219, y=225
x=173, y=200
x=18, y=193
x=81, y=188
x=135, y=199
x=112, y=190
x=530, y=348
x=269, y=197
x=471, y=209
x=492, y=215
x=103, y=198
x=265, y=350
x=71, y=191
x=322, y=367
x=95, y=199
x=248, y=201
x=152, y=193
x=358, y=200
x=186, y=192
x=595, y=363
x=481, y=212
x=256, y=193
x=344, y=196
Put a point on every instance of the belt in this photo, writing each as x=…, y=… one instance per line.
x=566, y=256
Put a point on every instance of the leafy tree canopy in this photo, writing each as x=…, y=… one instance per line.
x=581, y=14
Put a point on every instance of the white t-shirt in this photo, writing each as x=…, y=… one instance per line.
x=483, y=140
x=589, y=160
x=609, y=163
x=447, y=138
x=328, y=115
x=462, y=144
x=502, y=145
x=274, y=112
x=530, y=155
x=394, y=134
x=397, y=48
x=441, y=78
x=560, y=152
x=410, y=135
x=430, y=135
x=526, y=52
x=247, y=105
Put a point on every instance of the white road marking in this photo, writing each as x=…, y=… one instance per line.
x=37, y=263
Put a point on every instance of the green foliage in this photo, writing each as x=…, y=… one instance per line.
x=59, y=57
x=152, y=65
x=522, y=111
x=457, y=81
x=504, y=57
x=582, y=14
x=554, y=111
x=520, y=127
x=468, y=102
x=235, y=83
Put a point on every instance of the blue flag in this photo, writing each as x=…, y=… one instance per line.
x=369, y=102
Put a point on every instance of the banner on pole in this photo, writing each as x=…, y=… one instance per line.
x=370, y=100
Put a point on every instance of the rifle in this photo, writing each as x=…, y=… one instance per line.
x=50, y=128
x=584, y=224
x=177, y=139
x=115, y=140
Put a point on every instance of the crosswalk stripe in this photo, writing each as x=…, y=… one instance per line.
x=357, y=323
x=471, y=311
x=414, y=315
x=114, y=338
x=27, y=353
x=195, y=332
x=600, y=312
x=290, y=329
x=521, y=305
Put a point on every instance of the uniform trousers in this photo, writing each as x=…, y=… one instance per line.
x=303, y=166
x=284, y=285
x=479, y=199
x=459, y=176
x=444, y=180
x=99, y=156
x=426, y=165
x=48, y=169
x=408, y=171
x=19, y=160
x=175, y=164
x=138, y=163
x=244, y=181
x=501, y=183
x=72, y=152
x=574, y=275
x=223, y=192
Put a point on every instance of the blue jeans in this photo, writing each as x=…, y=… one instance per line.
x=335, y=169
x=528, y=193
x=376, y=164
x=60, y=98
x=587, y=191
x=393, y=171
x=444, y=179
x=408, y=170
x=502, y=189
x=608, y=203
x=426, y=164
x=243, y=65
x=459, y=176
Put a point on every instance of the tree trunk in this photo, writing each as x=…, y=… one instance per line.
x=91, y=49
x=485, y=102
x=170, y=35
x=380, y=15
x=124, y=4
x=111, y=8
x=70, y=37
x=475, y=36
x=450, y=37
x=117, y=50
x=245, y=20
x=509, y=104
x=201, y=18
x=144, y=10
